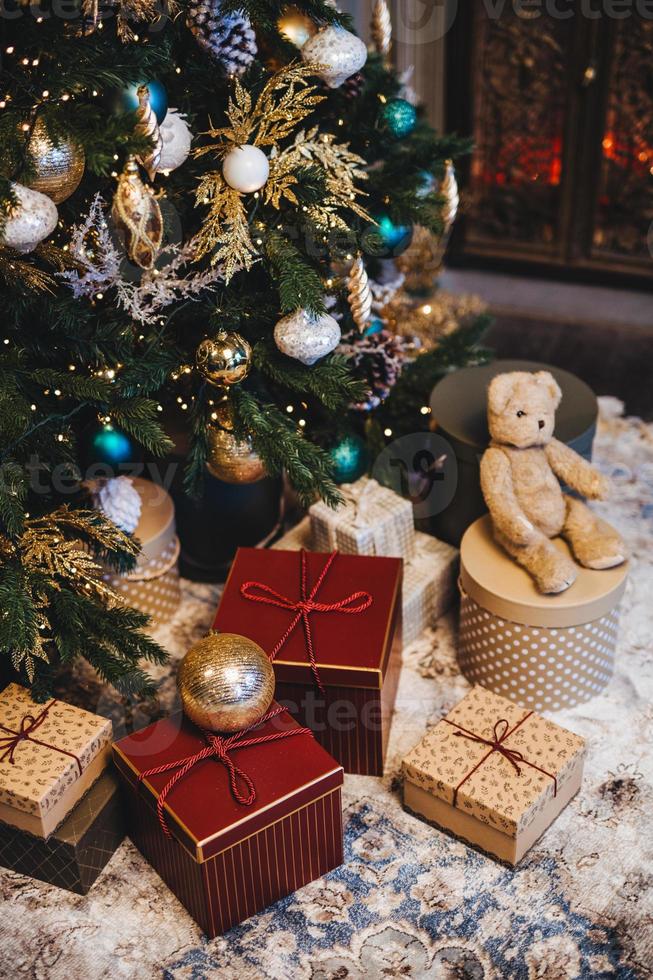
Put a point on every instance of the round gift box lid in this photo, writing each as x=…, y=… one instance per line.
x=459, y=405
x=498, y=584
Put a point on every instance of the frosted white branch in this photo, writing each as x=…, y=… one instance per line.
x=100, y=265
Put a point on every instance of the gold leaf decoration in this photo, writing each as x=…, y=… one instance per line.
x=52, y=554
x=127, y=13
x=15, y=269
x=286, y=99
x=341, y=166
x=137, y=214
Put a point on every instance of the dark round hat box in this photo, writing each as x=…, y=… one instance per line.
x=459, y=414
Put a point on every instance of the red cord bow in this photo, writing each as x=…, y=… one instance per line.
x=29, y=724
x=497, y=745
x=352, y=604
x=219, y=748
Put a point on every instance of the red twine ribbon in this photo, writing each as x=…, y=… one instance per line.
x=29, y=724
x=219, y=748
x=497, y=745
x=352, y=604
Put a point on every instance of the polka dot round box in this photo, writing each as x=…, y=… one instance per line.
x=153, y=585
x=545, y=652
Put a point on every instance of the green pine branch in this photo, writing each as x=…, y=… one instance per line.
x=282, y=447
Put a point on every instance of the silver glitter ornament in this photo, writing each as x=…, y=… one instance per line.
x=338, y=53
x=32, y=219
x=305, y=337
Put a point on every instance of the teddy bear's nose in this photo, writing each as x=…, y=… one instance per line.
x=541, y=423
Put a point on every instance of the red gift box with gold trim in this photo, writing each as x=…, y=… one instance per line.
x=356, y=644
x=224, y=860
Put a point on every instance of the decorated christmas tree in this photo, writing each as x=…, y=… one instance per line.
x=200, y=209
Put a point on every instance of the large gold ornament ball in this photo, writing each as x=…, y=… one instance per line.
x=226, y=682
x=58, y=167
x=232, y=461
x=225, y=359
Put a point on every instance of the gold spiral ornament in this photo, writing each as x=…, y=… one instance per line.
x=226, y=682
x=359, y=294
x=148, y=127
x=448, y=189
x=381, y=30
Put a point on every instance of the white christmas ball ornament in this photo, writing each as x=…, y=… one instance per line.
x=33, y=218
x=338, y=53
x=176, y=137
x=305, y=337
x=246, y=169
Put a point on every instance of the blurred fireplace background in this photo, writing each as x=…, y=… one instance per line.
x=555, y=230
x=561, y=111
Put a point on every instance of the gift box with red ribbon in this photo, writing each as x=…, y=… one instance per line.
x=331, y=624
x=50, y=755
x=493, y=773
x=232, y=823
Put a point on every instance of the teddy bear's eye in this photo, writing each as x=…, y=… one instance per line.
x=520, y=414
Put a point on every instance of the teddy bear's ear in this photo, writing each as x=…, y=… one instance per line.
x=552, y=386
x=500, y=392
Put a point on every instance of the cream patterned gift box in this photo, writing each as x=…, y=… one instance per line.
x=493, y=773
x=50, y=755
x=373, y=520
x=544, y=651
x=153, y=586
x=429, y=588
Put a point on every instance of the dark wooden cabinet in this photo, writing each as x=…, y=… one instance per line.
x=561, y=111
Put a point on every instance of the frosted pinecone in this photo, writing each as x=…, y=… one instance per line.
x=353, y=86
x=230, y=38
x=120, y=501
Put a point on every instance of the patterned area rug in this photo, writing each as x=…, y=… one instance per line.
x=409, y=902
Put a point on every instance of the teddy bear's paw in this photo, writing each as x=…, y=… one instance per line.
x=554, y=572
x=600, y=547
x=554, y=586
x=607, y=561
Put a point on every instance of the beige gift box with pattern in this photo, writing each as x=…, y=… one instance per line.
x=50, y=755
x=494, y=774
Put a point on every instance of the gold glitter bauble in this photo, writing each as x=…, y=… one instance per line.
x=233, y=461
x=57, y=168
x=226, y=682
x=296, y=26
x=225, y=359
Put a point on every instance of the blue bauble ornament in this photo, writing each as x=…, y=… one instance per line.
x=127, y=98
x=111, y=446
x=385, y=238
x=375, y=326
x=349, y=458
x=399, y=118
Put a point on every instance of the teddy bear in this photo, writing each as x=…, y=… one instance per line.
x=519, y=479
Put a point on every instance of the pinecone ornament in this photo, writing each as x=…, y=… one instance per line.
x=229, y=38
x=120, y=501
x=353, y=87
